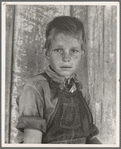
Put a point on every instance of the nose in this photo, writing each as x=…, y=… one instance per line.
x=66, y=58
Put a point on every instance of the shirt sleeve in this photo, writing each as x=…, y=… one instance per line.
x=30, y=110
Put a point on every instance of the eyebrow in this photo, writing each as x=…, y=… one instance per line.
x=61, y=46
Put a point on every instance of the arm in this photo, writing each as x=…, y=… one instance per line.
x=31, y=123
x=92, y=139
x=32, y=136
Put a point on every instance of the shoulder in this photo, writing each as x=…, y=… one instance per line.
x=85, y=92
x=84, y=89
x=38, y=83
x=34, y=88
x=36, y=80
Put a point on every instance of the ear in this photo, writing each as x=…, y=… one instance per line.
x=46, y=54
x=83, y=46
x=83, y=53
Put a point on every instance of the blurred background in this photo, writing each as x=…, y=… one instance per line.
x=25, y=37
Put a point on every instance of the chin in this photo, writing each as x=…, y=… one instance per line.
x=66, y=74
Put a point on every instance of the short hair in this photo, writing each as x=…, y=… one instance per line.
x=67, y=25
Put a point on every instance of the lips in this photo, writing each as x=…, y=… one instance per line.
x=65, y=67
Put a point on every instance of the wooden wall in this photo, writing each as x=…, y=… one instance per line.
x=25, y=38
x=102, y=68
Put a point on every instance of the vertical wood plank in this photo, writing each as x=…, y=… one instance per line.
x=99, y=67
x=109, y=100
x=29, y=38
x=8, y=83
x=91, y=67
x=102, y=69
x=95, y=55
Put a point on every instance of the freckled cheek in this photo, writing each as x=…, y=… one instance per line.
x=77, y=57
x=55, y=60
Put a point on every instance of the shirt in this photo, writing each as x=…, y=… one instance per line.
x=38, y=100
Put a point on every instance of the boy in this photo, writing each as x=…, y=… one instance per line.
x=52, y=106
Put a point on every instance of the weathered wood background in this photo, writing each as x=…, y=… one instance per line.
x=25, y=37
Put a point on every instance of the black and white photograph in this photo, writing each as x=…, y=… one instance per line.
x=60, y=74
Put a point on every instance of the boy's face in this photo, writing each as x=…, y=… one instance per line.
x=65, y=54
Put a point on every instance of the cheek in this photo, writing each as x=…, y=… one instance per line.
x=55, y=57
x=77, y=60
x=77, y=57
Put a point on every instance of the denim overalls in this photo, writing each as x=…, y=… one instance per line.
x=71, y=121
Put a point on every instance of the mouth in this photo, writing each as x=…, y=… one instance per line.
x=65, y=67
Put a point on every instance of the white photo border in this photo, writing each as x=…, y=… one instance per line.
x=3, y=20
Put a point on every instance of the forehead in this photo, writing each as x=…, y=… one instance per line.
x=65, y=40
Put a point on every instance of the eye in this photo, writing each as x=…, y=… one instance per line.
x=58, y=50
x=74, y=51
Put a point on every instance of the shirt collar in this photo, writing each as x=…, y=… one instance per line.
x=60, y=79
